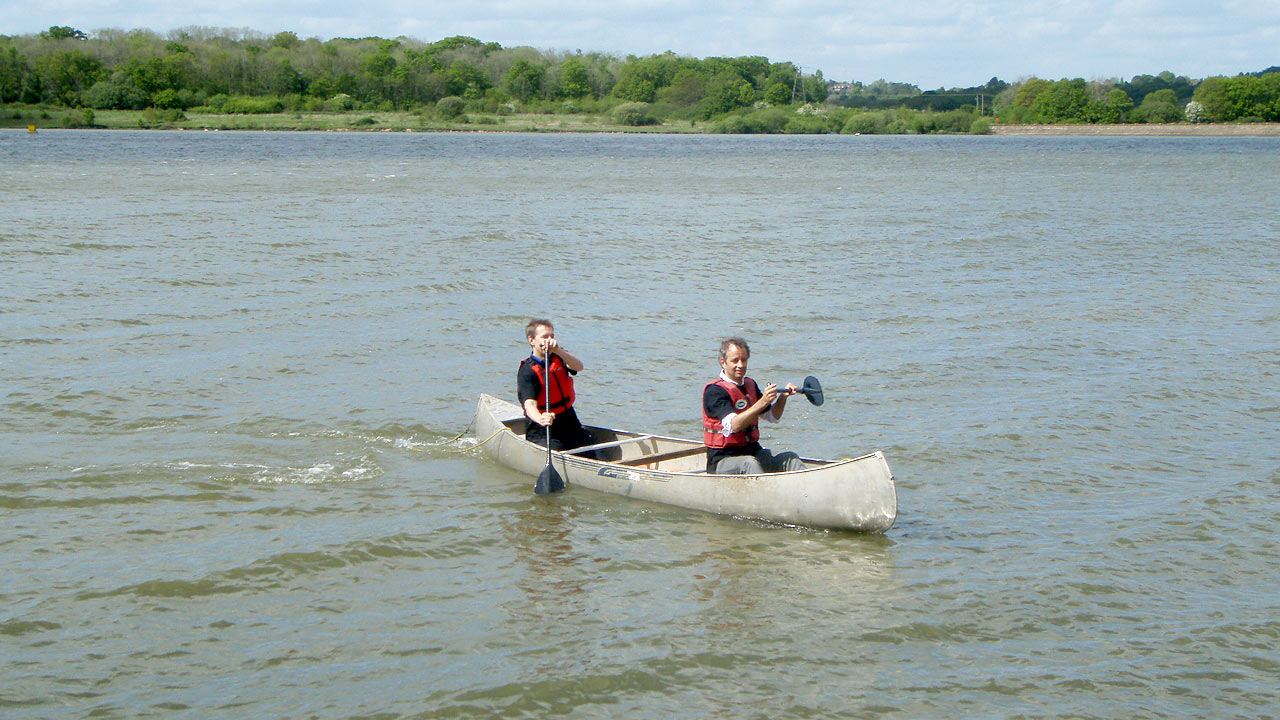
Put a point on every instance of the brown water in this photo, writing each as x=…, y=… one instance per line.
x=232, y=368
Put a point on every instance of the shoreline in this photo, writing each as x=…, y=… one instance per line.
x=1146, y=130
x=395, y=121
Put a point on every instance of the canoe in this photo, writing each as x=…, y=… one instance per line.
x=854, y=494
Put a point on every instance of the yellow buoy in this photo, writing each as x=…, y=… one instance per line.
x=31, y=129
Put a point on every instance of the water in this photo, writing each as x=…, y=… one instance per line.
x=234, y=366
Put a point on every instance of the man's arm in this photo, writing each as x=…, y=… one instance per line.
x=542, y=418
x=769, y=397
x=570, y=360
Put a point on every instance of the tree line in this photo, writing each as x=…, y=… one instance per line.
x=241, y=71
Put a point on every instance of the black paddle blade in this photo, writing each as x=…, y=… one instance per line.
x=549, y=481
x=813, y=390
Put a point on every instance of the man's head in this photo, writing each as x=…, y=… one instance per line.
x=537, y=331
x=734, y=354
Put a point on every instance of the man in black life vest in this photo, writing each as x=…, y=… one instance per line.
x=732, y=407
x=566, y=430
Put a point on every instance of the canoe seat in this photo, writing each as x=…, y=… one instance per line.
x=614, y=443
x=669, y=455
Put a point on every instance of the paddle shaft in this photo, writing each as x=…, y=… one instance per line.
x=546, y=389
x=549, y=481
x=812, y=390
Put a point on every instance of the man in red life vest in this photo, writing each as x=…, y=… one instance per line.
x=565, y=429
x=732, y=407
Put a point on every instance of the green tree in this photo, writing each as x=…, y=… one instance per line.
x=687, y=88
x=18, y=81
x=815, y=88
x=1160, y=106
x=466, y=80
x=1117, y=107
x=286, y=40
x=575, y=82
x=1062, y=101
x=727, y=91
x=65, y=74
x=524, y=80
x=635, y=89
x=778, y=94
x=1213, y=98
x=62, y=32
x=1031, y=89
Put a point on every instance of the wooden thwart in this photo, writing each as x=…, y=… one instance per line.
x=669, y=455
x=615, y=443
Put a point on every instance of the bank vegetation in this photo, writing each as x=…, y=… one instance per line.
x=238, y=79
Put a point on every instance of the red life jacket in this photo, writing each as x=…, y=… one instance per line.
x=711, y=427
x=561, y=388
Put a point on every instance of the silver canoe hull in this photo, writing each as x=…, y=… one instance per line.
x=856, y=494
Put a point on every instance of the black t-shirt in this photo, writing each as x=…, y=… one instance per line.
x=716, y=403
x=566, y=430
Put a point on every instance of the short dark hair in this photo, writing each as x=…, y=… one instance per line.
x=532, y=328
x=729, y=342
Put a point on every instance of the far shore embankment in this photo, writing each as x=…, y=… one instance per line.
x=1147, y=129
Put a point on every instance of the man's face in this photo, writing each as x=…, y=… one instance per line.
x=540, y=336
x=735, y=364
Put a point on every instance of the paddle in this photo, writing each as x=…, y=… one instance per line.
x=812, y=390
x=549, y=481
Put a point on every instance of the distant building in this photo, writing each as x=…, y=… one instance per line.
x=836, y=87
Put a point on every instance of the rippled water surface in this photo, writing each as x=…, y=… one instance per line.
x=234, y=369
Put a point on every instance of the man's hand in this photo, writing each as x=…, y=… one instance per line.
x=768, y=394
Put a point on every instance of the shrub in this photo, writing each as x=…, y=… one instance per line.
x=450, y=107
x=341, y=102
x=862, y=124
x=110, y=95
x=762, y=122
x=633, y=114
x=980, y=126
x=154, y=117
x=245, y=105
x=806, y=126
x=1157, y=111
x=166, y=99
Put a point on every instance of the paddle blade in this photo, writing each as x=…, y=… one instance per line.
x=549, y=481
x=813, y=390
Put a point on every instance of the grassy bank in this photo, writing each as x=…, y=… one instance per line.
x=22, y=116
x=765, y=121
x=1148, y=129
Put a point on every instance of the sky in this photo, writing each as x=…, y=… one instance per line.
x=927, y=43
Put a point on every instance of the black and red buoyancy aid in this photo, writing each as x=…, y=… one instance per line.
x=712, y=436
x=561, y=386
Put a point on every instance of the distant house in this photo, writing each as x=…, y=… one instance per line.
x=836, y=87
